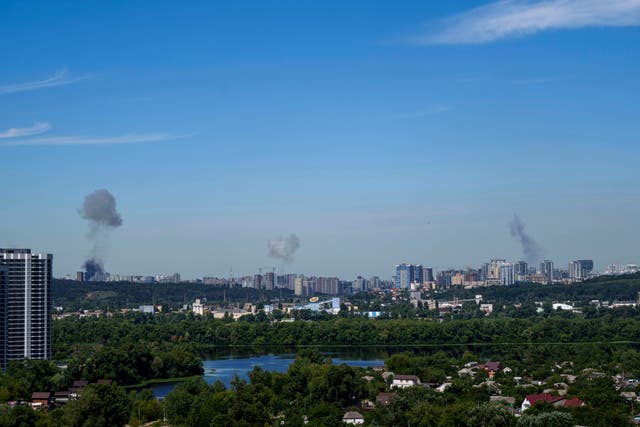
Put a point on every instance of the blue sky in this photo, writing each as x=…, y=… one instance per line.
x=377, y=132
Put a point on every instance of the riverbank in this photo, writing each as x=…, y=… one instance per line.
x=149, y=383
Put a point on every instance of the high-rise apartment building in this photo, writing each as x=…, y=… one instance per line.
x=406, y=274
x=546, y=269
x=580, y=269
x=418, y=276
x=359, y=285
x=308, y=288
x=257, y=281
x=373, y=282
x=494, y=268
x=427, y=274
x=484, y=271
x=587, y=265
x=291, y=280
x=269, y=281
x=444, y=279
x=507, y=276
x=521, y=269
x=403, y=276
x=328, y=285
x=298, y=286
x=4, y=281
x=26, y=307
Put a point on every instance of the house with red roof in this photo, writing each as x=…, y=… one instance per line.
x=533, y=399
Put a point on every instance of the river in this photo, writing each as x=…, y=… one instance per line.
x=226, y=368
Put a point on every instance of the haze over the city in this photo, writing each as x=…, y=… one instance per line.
x=329, y=137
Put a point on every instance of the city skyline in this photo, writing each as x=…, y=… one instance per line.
x=405, y=274
x=371, y=134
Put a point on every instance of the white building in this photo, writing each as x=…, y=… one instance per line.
x=198, y=307
x=405, y=381
x=353, y=417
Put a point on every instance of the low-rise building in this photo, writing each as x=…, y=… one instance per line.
x=385, y=398
x=405, y=381
x=41, y=400
x=353, y=417
x=532, y=399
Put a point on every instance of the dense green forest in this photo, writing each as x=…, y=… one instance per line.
x=185, y=328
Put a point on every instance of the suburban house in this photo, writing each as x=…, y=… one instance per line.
x=629, y=396
x=353, y=417
x=81, y=384
x=574, y=402
x=385, y=398
x=492, y=366
x=40, y=400
x=532, y=399
x=466, y=372
x=405, y=381
x=61, y=397
x=442, y=387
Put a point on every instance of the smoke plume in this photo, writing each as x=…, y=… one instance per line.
x=283, y=248
x=531, y=250
x=93, y=269
x=99, y=208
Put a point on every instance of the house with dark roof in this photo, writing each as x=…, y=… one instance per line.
x=384, y=398
x=492, y=366
x=61, y=397
x=40, y=400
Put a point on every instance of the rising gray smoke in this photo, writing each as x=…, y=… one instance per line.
x=99, y=208
x=93, y=270
x=531, y=250
x=283, y=248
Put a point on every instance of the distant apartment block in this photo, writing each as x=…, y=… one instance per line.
x=546, y=269
x=521, y=270
x=507, y=274
x=406, y=274
x=580, y=269
x=269, y=281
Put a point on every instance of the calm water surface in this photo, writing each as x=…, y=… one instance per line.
x=226, y=368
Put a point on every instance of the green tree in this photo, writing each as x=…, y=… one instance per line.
x=490, y=415
x=546, y=419
x=99, y=406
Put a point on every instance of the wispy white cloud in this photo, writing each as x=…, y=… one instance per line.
x=60, y=78
x=82, y=140
x=435, y=109
x=36, y=129
x=517, y=18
